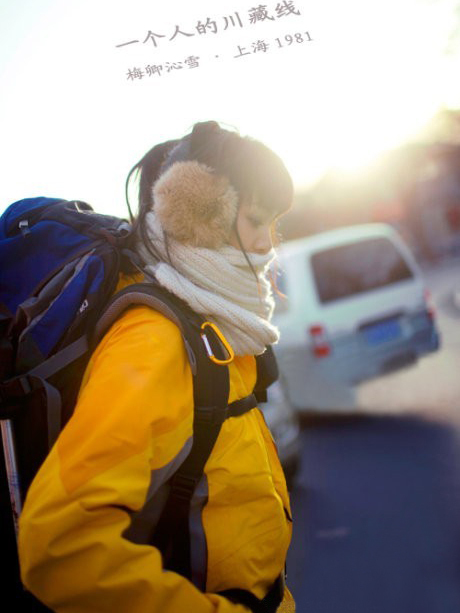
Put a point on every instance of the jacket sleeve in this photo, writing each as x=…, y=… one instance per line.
x=133, y=417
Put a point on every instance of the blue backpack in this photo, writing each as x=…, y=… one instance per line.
x=59, y=267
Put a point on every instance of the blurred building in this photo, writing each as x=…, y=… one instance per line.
x=433, y=205
x=415, y=188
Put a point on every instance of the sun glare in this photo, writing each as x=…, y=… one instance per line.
x=373, y=75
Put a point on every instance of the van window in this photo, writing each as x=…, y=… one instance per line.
x=357, y=267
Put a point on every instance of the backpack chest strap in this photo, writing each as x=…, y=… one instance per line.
x=217, y=415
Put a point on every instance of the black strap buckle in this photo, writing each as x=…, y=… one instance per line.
x=15, y=388
x=211, y=415
x=183, y=486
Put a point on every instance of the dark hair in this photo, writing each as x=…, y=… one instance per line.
x=252, y=168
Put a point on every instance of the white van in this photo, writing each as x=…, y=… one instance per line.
x=356, y=308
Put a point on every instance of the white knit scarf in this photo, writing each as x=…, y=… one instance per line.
x=219, y=284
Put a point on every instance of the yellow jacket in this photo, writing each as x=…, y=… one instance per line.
x=131, y=428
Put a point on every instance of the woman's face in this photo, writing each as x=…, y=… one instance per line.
x=254, y=226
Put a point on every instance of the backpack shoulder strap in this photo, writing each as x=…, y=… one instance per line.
x=210, y=396
x=159, y=299
x=211, y=387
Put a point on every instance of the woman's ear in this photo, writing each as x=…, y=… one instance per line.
x=194, y=205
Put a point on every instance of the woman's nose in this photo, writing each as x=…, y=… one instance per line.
x=263, y=242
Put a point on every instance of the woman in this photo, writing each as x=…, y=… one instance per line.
x=207, y=205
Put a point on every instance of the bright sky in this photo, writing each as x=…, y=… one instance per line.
x=72, y=123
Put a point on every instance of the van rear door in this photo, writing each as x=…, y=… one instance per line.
x=372, y=302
